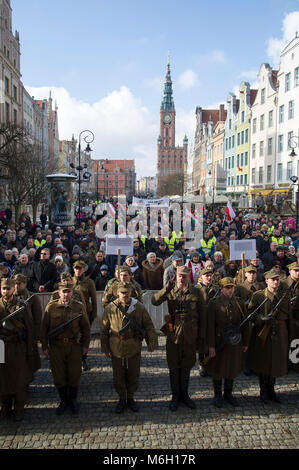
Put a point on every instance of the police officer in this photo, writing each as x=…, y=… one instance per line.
x=125, y=348
x=268, y=347
x=185, y=330
x=225, y=359
x=65, y=350
x=88, y=289
x=34, y=309
x=18, y=338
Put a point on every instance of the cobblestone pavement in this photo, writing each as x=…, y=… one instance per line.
x=252, y=425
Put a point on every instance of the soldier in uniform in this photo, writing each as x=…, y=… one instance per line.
x=78, y=294
x=292, y=282
x=209, y=291
x=88, y=289
x=125, y=348
x=34, y=309
x=225, y=359
x=18, y=338
x=185, y=330
x=268, y=347
x=65, y=350
x=125, y=276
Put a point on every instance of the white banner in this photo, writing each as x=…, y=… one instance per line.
x=163, y=202
x=237, y=247
x=125, y=244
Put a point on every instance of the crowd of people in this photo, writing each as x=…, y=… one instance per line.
x=205, y=292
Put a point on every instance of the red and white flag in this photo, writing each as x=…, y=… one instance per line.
x=230, y=211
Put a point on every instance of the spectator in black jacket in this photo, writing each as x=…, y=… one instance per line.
x=44, y=273
x=270, y=256
x=102, y=278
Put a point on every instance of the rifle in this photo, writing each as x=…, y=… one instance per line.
x=130, y=324
x=59, y=329
x=3, y=321
x=231, y=334
x=263, y=334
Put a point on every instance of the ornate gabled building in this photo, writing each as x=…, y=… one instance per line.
x=172, y=160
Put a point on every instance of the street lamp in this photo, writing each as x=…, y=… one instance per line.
x=88, y=138
x=294, y=179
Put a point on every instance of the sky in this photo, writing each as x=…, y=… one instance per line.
x=105, y=62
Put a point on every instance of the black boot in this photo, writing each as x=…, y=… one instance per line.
x=263, y=381
x=270, y=389
x=218, y=393
x=227, y=395
x=74, y=405
x=174, y=377
x=132, y=405
x=64, y=400
x=120, y=407
x=184, y=385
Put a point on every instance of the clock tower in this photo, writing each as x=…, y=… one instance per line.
x=171, y=159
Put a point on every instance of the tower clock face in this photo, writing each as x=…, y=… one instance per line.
x=167, y=119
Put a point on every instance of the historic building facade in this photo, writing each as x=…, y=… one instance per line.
x=172, y=160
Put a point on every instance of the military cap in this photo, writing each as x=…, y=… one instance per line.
x=20, y=278
x=250, y=269
x=206, y=271
x=294, y=266
x=226, y=282
x=183, y=270
x=124, y=287
x=66, y=284
x=271, y=274
x=8, y=282
x=123, y=269
x=79, y=264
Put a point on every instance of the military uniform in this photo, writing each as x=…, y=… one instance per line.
x=34, y=309
x=293, y=284
x=87, y=287
x=111, y=293
x=269, y=358
x=66, y=350
x=185, y=331
x=15, y=373
x=125, y=349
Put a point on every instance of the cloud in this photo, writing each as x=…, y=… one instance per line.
x=122, y=126
x=217, y=56
x=248, y=75
x=188, y=79
x=275, y=45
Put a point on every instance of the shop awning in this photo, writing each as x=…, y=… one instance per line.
x=264, y=192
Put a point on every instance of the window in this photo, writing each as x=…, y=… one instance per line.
x=226, y=163
x=254, y=126
x=238, y=179
x=253, y=175
x=288, y=81
x=289, y=170
x=246, y=159
x=242, y=159
x=228, y=181
x=245, y=179
x=290, y=137
x=291, y=109
x=253, y=150
x=226, y=144
x=261, y=148
x=15, y=94
x=238, y=138
x=229, y=160
x=230, y=143
x=233, y=161
x=243, y=116
x=241, y=179
x=262, y=123
x=242, y=137
x=230, y=124
x=263, y=95
x=296, y=76
x=233, y=180
x=269, y=173
x=281, y=113
x=270, y=145
x=238, y=160
x=233, y=141
x=280, y=143
x=261, y=174
x=279, y=172
x=270, y=120
x=6, y=85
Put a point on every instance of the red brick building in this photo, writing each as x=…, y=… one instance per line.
x=113, y=178
x=172, y=160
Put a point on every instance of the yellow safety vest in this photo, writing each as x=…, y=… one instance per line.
x=279, y=241
x=206, y=247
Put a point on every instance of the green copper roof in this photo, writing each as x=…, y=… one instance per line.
x=167, y=102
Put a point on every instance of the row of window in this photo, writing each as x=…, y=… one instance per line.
x=242, y=138
x=259, y=177
x=281, y=116
x=240, y=179
x=242, y=160
x=280, y=145
x=7, y=89
x=288, y=79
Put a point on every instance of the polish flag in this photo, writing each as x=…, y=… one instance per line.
x=230, y=211
x=240, y=169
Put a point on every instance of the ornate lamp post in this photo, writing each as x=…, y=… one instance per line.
x=88, y=138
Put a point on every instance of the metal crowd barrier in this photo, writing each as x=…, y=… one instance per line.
x=156, y=313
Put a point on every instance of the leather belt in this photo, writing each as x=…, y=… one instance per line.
x=66, y=340
x=124, y=336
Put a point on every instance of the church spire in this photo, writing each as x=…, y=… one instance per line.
x=167, y=102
